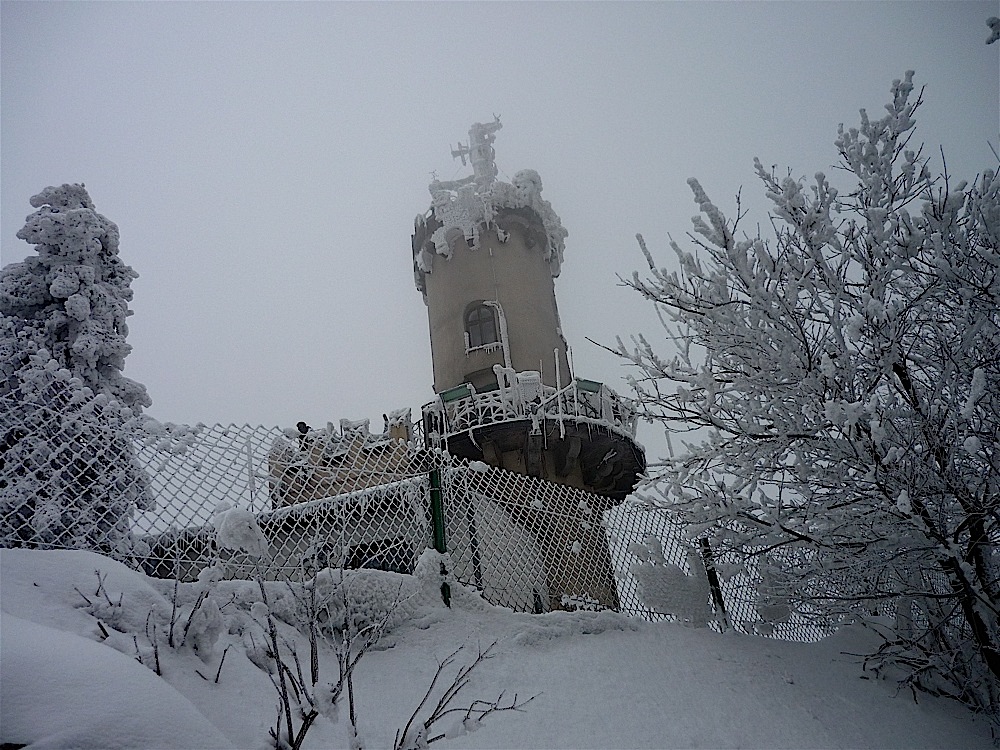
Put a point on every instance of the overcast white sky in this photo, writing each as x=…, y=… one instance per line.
x=264, y=161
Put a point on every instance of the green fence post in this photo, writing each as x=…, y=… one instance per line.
x=437, y=517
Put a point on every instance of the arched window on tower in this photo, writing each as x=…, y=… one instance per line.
x=481, y=329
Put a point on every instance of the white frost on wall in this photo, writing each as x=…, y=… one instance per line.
x=463, y=206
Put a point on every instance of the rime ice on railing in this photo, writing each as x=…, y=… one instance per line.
x=581, y=400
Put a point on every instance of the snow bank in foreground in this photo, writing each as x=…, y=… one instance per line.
x=60, y=690
x=600, y=679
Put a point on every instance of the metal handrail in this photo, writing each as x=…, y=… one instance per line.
x=601, y=407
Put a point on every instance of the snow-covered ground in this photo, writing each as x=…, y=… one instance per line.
x=600, y=680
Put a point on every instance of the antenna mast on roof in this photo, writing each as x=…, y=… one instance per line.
x=480, y=152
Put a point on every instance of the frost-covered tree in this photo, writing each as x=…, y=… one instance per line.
x=840, y=384
x=68, y=476
x=72, y=298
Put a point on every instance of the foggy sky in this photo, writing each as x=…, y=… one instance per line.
x=264, y=161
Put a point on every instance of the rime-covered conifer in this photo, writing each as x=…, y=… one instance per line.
x=68, y=475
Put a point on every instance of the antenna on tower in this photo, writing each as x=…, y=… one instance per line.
x=480, y=152
x=461, y=152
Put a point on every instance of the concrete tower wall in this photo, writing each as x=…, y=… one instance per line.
x=515, y=274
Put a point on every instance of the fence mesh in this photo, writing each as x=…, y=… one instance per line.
x=78, y=472
x=343, y=497
x=527, y=543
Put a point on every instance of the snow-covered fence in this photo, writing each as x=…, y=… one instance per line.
x=527, y=543
x=78, y=471
x=69, y=473
x=663, y=575
x=159, y=496
x=320, y=497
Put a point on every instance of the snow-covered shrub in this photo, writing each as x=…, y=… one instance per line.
x=356, y=600
x=68, y=476
x=237, y=530
x=841, y=380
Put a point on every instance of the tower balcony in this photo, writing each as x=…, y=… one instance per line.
x=582, y=434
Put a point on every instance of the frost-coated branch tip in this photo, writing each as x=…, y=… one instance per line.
x=645, y=251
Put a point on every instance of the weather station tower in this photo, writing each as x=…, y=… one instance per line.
x=485, y=257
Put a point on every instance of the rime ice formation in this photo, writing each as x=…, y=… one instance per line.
x=71, y=299
x=236, y=529
x=666, y=588
x=463, y=207
x=72, y=478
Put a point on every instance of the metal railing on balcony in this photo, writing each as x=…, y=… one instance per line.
x=526, y=398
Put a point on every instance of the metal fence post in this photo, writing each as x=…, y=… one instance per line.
x=713, y=580
x=437, y=518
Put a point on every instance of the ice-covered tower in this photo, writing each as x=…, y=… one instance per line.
x=485, y=257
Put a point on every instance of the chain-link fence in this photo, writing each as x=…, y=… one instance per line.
x=77, y=472
x=528, y=543
x=341, y=497
x=665, y=576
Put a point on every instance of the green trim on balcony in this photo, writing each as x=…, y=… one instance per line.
x=455, y=394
